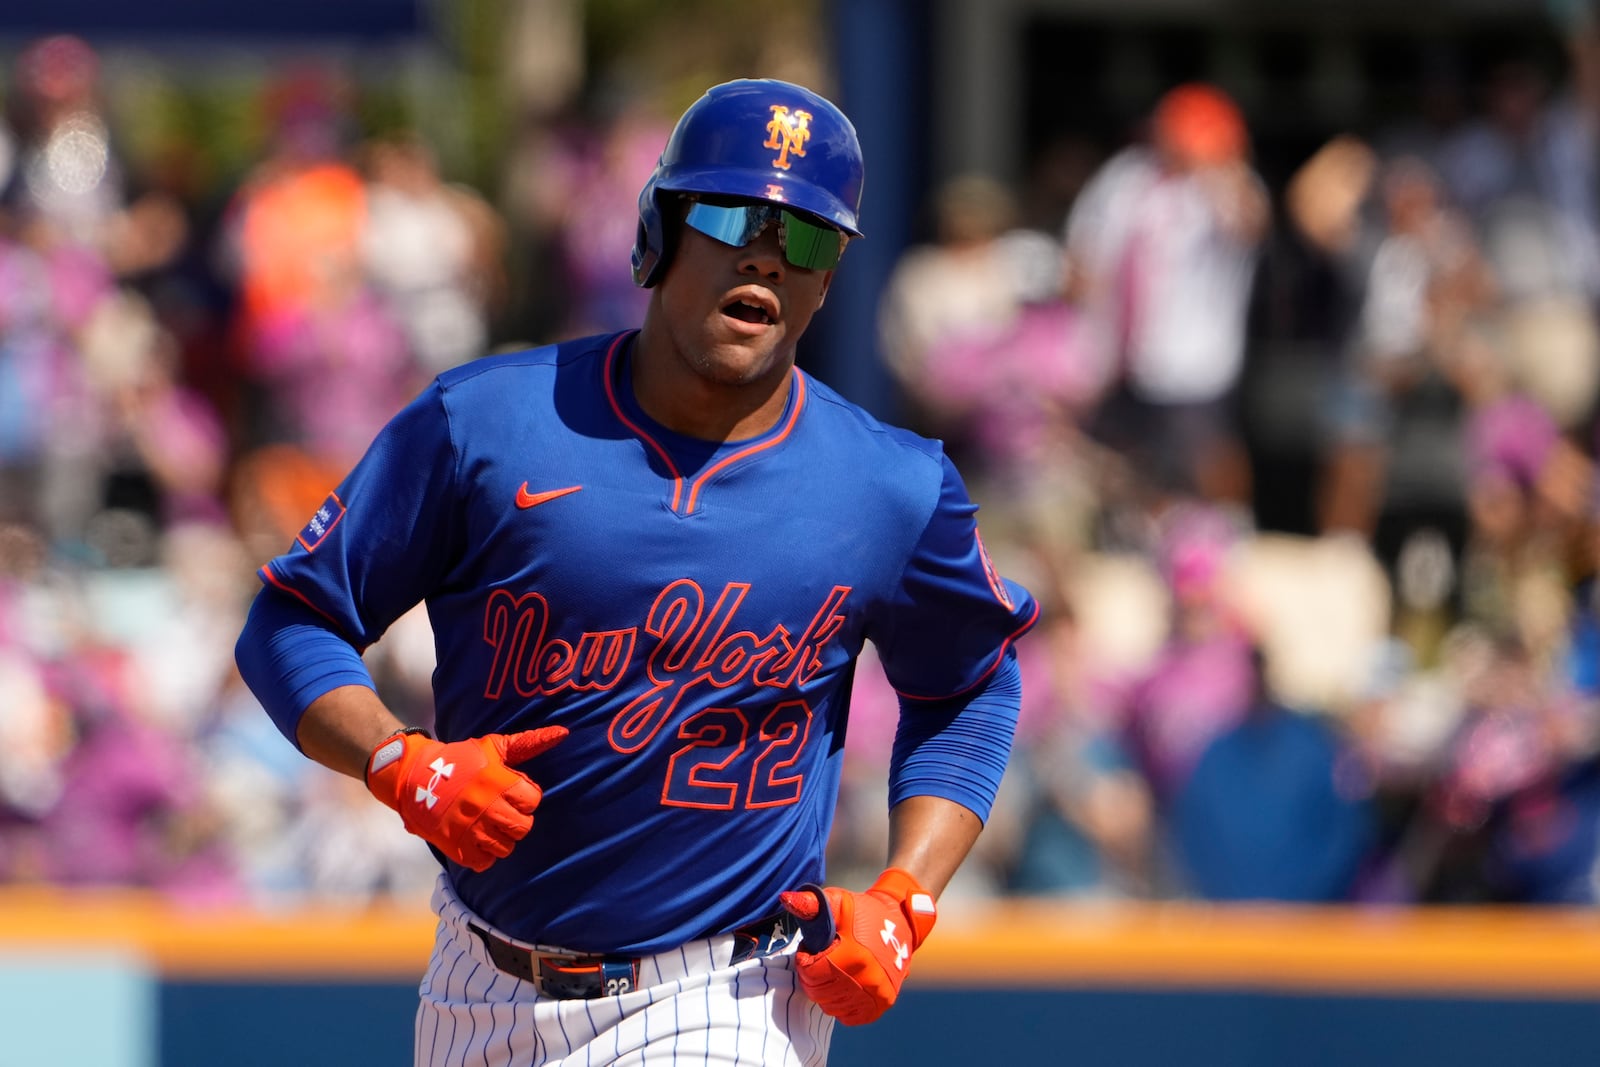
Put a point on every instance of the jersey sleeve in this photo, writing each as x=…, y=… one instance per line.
x=387, y=536
x=290, y=655
x=953, y=617
x=958, y=749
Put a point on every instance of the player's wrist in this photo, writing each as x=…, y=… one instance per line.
x=390, y=751
x=916, y=903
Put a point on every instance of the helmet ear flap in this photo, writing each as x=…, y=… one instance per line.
x=650, y=243
x=646, y=258
x=656, y=237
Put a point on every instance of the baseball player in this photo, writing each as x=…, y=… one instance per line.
x=650, y=560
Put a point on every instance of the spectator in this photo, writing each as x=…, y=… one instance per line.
x=164, y=450
x=129, y=810
x=1424, y=346
x=1309, y=414
x=1525, y=170
x=67, y=175
x=1088, y=828
x=1162, y=246
x=581, y=189
x=1544, y=845
x=1202, y=681
x=1503, y=819
x=327, y=362
x=1528, y=490
x=53, y=426
x=1276, y=809
x=951, y=318
x=991, y=358
x=432, y=250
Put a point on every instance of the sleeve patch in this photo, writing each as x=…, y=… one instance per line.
x=996, y=584
x=323, y=522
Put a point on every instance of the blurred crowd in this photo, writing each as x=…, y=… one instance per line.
x=185, y=371
x=1303, y=472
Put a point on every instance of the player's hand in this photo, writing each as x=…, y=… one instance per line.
x=463, y=798
x=857, y=977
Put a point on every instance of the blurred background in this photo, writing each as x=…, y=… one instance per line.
x=1265, y=338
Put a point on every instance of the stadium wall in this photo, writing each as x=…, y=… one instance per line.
x=127, y=981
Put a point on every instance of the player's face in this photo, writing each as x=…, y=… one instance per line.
x=734, y=314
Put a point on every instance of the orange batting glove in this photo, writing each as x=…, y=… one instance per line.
x=463, y=798
x=857, y=976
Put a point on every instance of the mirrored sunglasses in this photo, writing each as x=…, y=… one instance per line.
x=806, y=244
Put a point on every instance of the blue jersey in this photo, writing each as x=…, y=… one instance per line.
x=691, y=612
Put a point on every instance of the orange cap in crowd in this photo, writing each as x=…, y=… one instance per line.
x=1200, y=124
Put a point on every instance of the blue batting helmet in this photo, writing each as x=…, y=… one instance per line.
x=757, y=139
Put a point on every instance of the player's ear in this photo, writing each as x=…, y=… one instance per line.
x=822, y=294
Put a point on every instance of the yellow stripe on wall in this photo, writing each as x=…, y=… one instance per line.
x=202, y=942
x=1501, y=952
x=1490, y=952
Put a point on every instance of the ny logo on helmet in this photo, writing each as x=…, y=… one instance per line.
x=787, y=133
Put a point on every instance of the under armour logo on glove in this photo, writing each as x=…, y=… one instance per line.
x=440, y=769
x=901, y=953
x=857, y=977
x=467, y=800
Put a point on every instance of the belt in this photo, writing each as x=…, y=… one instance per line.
x=581, y=976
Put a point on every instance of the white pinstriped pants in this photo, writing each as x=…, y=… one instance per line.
x=691, y=1007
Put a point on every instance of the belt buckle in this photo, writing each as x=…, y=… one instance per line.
x=586, y=977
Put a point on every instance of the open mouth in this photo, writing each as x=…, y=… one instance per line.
x=748, y=311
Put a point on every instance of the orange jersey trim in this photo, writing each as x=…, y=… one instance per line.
x=799, y=386
x=616, y=409
x=271, y=578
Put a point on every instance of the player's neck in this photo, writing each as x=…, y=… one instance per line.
x=668, y=389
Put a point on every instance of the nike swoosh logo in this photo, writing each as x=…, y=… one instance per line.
x=526, y=499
